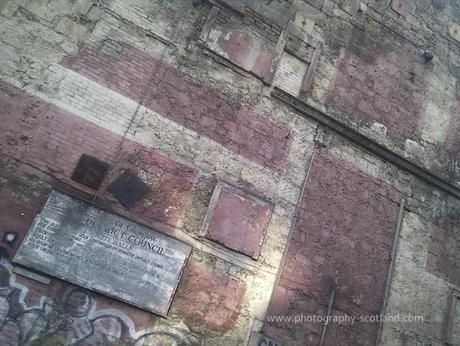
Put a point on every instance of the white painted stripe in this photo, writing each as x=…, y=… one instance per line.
x=437, y=115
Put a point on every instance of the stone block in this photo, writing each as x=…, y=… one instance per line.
x=71, y=29
x=350, y=6
x=454, y=31
x=315, y=3
x=304, y=23
x=290, y=73
x=401, y=7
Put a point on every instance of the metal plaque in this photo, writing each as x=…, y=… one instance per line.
x=87, y=246
x=90, y=171
x=128, y=188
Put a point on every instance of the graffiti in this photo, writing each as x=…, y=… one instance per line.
x=258, y=339
x=72, y=321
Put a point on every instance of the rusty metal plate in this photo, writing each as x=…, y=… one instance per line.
x=90, y=171
x=128, y=188
x=87, y=246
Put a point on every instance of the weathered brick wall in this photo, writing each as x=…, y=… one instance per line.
x=381, y=79
x=173, y=96
x=391, y=74
x=45, y=137
x=341, y=241
x=174, y=144
x=171, y=91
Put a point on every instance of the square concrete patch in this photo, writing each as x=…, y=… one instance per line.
x=237, y=219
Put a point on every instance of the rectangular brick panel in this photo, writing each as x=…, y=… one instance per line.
x=243, y=45
x=443, y=258
x=196, y=106
x=342, y=239
x=237, y=219
x=381, y=79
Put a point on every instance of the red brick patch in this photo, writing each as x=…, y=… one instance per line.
x=385, y=84
x=242, y=45
x=443, y=258
x=237, y=219
x=208, y=301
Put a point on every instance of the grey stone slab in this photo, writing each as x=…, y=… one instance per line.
x=104, y=252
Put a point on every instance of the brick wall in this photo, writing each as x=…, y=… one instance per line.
x=342, y=240
x=52, y=141
x=135, y=84
x=174, y=95
x=381, y=78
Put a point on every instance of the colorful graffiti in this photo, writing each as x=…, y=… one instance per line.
x=73, y=321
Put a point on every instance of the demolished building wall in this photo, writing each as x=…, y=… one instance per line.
x=304, y=149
